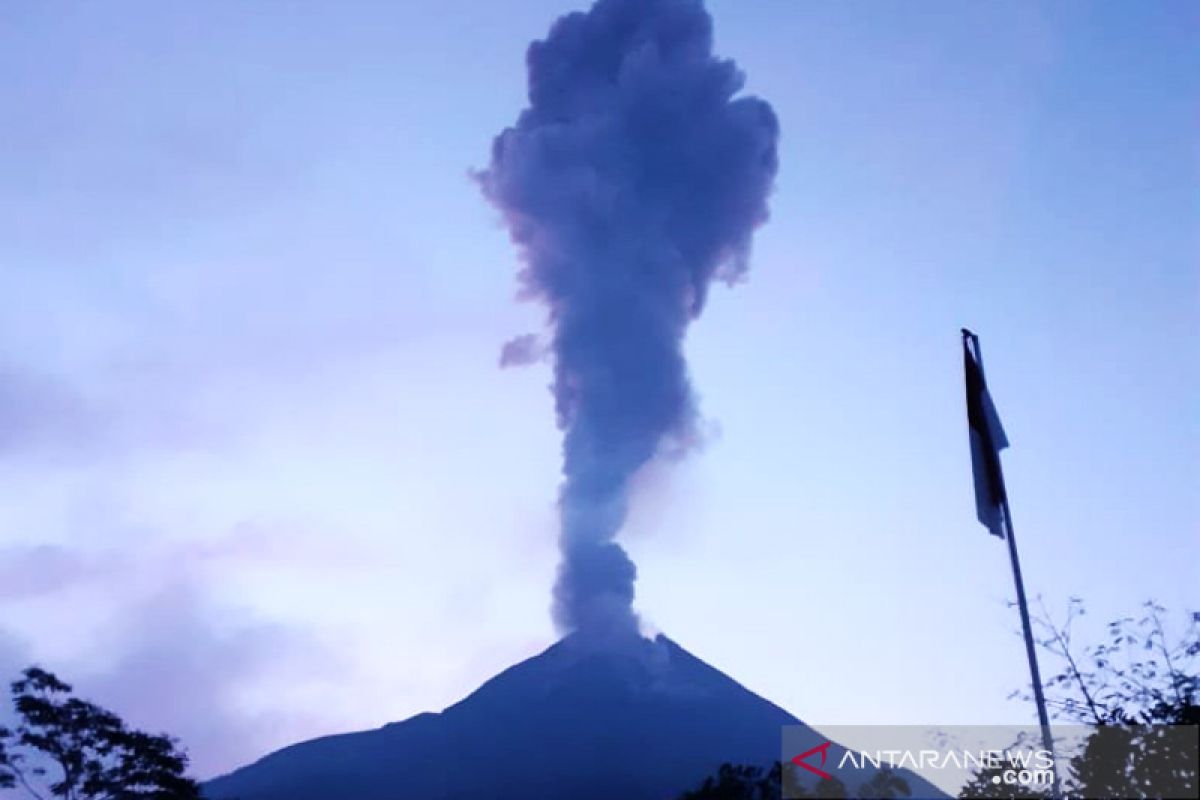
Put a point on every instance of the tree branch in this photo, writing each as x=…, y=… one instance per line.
x=1061, y=637
x=24, y=781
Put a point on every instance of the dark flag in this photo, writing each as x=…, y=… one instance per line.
x=991, y=506
x=987, y=440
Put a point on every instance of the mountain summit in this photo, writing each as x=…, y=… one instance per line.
x=629, y=718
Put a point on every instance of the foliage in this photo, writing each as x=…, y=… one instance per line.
x=988, y=784
x=884, y=785
x=69, y=748
x=1137, y=677
x=738, y=782
x=1128, y=689
x=742, y=782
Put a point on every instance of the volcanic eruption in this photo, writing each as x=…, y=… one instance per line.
x=634, y=178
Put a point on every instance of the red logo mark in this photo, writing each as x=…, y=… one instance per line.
x=823, y=749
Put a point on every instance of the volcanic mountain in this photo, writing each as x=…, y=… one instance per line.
x=638, y=719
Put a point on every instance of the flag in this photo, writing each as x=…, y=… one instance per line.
x=987, y=440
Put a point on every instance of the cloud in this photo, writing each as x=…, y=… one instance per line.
x=38, y=410
x=14, y=656
x=28, y=571
x=165, y=653
x=179, y=663
x=76, y=419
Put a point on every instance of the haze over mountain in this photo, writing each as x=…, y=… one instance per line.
x=630, y=718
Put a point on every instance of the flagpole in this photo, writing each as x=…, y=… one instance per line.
x=1022, y=603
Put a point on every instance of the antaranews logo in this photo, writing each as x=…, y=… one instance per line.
x=802, y=759
x=978, y=761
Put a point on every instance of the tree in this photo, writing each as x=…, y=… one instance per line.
x=1137, y=677
x=984, y=785
x=1130, y=690
x=69, y=748
x=738, y=782
x=884, y=785
x=743, y=782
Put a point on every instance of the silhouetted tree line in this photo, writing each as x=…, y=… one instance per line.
x=742, y=782
x=69, y=748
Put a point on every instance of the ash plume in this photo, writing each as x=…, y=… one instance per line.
x=635, y=176
x=520, y=351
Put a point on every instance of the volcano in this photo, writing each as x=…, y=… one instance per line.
x=636, y=719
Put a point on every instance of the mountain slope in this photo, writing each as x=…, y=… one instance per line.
x=639, y=720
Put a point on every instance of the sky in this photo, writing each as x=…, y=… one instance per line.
x=262, y=478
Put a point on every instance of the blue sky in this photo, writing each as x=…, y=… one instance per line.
x=261, y=477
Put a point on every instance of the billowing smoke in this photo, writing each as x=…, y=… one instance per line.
x=634, y=178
